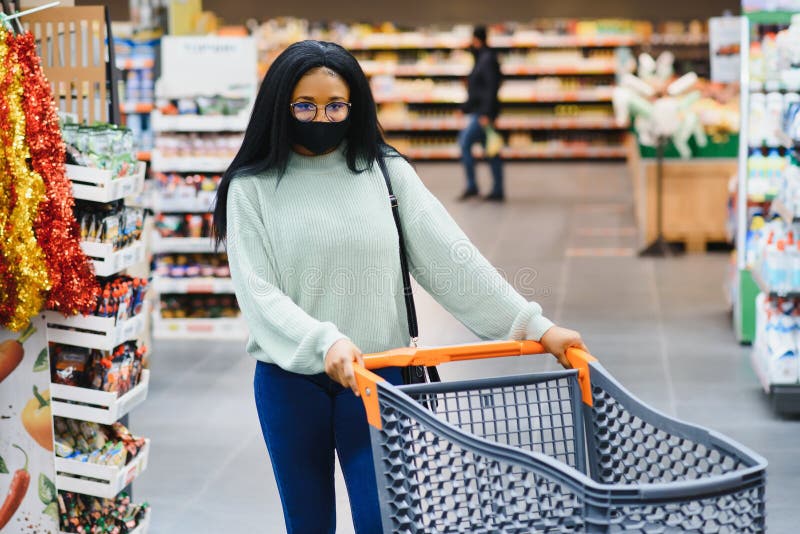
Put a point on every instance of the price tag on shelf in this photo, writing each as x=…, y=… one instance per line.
x=200, y=287
x=131, y=474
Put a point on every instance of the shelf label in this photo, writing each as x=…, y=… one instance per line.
x=200, y=287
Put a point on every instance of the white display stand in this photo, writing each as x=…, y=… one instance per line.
x=160, y=163
x=181, y=245
x=97, y=406
x=106, y=481
x=185, y=64
x=108, y=262
x=200, y=123
x=99, y=185
x=102, y=333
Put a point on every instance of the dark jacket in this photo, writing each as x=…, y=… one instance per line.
x=483, y=84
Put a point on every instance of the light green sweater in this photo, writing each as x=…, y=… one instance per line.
x=314, y=258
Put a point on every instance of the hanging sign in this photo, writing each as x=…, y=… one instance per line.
x=724, y=41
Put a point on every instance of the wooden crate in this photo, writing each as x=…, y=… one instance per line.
x=694, y=203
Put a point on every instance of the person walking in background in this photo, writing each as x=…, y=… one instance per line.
x=482, y=107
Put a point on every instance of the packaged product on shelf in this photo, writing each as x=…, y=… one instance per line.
x=192, y=265
x=777, y=337
x=112, y=223
x=176, y=191
x=122, y=297
x=187, y=145
x=102, y=146
x=116, y=371
x=82, y=514
x=198, y=306
x=191, y=225
x=203, y=105
x=83, y=441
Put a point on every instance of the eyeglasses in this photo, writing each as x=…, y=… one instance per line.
x=307, y=112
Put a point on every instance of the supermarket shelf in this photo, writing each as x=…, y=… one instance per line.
x=760, y=198
x=444, y=70
x=605, y=68
x=586, y=95
x=136, y=63
x=783, y=210
x=200, y=123
x=528, y=40
x=193, y=285
x=186, y=245
x=198, y=204
x=97, y=406
x=108, y=261
x=102, y=333
x=506, y=123
x=603, y=94
x=98, y=185
x=785, y=397
x=584, y=152
x=160, y=163
x=659, y=39
x=231, y=328
x=764, y=287
x=757, y=360
x=106, y=481
x=136, y=107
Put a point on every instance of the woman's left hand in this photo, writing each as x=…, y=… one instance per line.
x=557, y=340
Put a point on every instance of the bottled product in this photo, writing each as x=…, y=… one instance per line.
x=758, y=113
x=773, y=120
x=777, y=336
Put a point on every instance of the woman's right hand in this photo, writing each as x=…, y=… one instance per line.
x=339, y=363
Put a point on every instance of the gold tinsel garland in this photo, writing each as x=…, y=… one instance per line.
x=22, y=192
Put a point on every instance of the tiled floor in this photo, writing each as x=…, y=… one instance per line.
x=660, y=326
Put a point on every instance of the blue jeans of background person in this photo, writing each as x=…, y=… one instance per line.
x=305, y=418
x=472, y=134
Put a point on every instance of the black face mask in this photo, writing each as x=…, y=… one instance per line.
x=317, y=137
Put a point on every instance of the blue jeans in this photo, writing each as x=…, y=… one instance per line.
x=472, y=134
x=304, y=418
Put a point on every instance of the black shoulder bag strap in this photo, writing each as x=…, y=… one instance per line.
x=416, y=374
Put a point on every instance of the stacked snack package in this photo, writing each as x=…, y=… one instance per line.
x=113, y=223
x=82, y=514
x=101, y=146
x=93, y=443
x=116, y=371
x=192, y=265
x=121, y=297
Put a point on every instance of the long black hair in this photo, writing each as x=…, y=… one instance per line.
x=266, y=145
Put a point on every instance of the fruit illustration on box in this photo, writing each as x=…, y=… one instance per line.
x=16, y=492
x=12, y=351
x=37, y=418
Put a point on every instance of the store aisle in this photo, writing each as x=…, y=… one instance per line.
x=565, y=238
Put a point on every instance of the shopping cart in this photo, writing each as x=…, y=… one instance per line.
x=564, y=451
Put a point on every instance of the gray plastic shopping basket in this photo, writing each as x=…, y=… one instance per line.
x=565, y=451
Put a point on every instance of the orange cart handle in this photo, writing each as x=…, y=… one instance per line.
x=410, y=356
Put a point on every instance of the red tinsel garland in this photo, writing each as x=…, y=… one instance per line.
x=74, y=286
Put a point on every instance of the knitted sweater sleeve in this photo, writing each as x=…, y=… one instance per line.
x=449, y=267
x=294, y=340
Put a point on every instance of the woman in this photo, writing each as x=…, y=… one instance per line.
x=313, y=252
